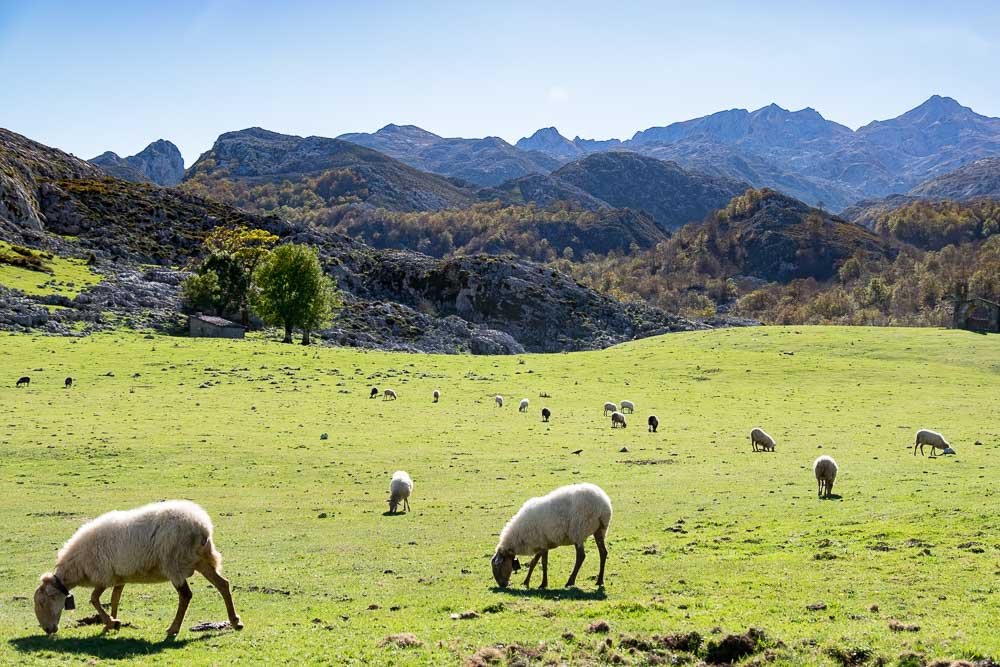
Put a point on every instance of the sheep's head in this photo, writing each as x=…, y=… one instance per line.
x=503, y=564
x=393, y=505
x=51, y=597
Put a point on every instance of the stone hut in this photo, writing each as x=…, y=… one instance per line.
x=208, y=326
x=976, y=313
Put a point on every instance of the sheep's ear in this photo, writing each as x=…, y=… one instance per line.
x=517, y=565
x=48, y=578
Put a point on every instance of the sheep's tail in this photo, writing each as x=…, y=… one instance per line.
x=212, y=555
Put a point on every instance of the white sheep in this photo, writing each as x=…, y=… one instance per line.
x=932, y=438
x=618, y=419
x=628, y=406
x=400, y=489
x=388, y=395
x=825, y=469
x=760, y=441
x=523, y=405
x=499, y=400
x=610, y=407
x=437, y=395
x=165, y=541
x=568, y=515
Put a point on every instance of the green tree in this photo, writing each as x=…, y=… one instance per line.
x=234, y=255
x=200, y=292
x=293, y=292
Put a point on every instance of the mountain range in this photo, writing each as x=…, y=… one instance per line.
x=160, y=163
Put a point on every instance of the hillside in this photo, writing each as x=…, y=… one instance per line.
x=542, y=190
x=258, y=162
x=972, y=181
x=160, y=163
x=671, y=195
x=483, y=162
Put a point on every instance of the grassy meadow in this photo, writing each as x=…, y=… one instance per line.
x=706, y=535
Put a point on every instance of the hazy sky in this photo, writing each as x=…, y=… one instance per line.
x=94, y=76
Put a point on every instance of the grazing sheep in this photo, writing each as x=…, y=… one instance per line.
x=932, y=438
x=628, y=406
x=618, y=419
x=68, y=383
x=546, y=413
x=437, y=395
x=400, y=489
x=388, y=395
x=24, y=381
x=499, y=400
x=761, y=441
x=166, y=541
x=825, y=469
x=653, y=423
x=373, y=393
x=568, y=515
x=610, y=407
x=523, y=406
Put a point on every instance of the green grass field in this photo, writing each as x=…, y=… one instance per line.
x=706, y=535
x=68, y=275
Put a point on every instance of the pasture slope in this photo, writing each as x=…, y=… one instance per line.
x=706, y=535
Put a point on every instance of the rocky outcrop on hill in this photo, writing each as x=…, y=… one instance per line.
x=160, y=163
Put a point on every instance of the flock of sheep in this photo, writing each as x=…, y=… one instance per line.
x=171, y=540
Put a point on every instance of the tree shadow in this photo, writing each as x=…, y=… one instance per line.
x=105, y=647
x=553, y=593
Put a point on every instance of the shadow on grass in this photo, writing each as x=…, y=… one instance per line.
x=391, y=513
x=107, y=647
x=832, y=496
x=553, y=593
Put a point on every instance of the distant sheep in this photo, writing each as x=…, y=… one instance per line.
x=546, y=413
x=627, y=407
x=68, y=383
x=523, y=405
x=609, y=408
x=25, y=381
x=761, y=441
x=825, y=469
x=373, y=393
x=618, y=419
x=388, y=395
x=568, y=515
x=400, y=489
x=499, y=400
x=437, y=395
x=932, y=438
x=166, y=541
x=653, y=423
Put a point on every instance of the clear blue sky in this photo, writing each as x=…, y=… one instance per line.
x=89, y=76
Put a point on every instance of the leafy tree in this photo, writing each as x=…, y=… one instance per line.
x=293, y=292
x=200, y=292
x=233, y=256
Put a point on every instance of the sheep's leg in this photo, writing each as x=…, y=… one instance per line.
x=603, y=551
x=116, y=596
x=95, y=600
x=531, y=568
x=184, y=596
x=580, y=555
x=222, y=585
x=545, y=569
x=406, y=504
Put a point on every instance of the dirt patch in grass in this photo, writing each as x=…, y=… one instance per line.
x=210, y=625
x=94, y=619
x=899, y=626
x=402, y=640
x=852, y=657
x=599, y=627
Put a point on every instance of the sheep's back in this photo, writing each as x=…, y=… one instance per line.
x=566, y=516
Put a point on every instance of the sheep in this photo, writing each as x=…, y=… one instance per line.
x=568, y=515
x=26, y=381
x=68, y=383
x=610, y=407
x=761, y=441
x=628, y=406
x=932, y=438
x=499, y=400
x=374, y=393
x=546, y=413
x=400, y=488
x=437, y=395
x=653, y=423
x=825, y=469
x=164, y=541
x=523, y=406
x=388, y=395
x=618, y=419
